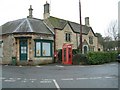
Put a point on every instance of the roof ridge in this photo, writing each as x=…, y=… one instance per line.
x=19, y=25
x=64, y=20
x=48, y=27
x=36, y=19
x=58, y=18
x=29, y=25
x=69, y=21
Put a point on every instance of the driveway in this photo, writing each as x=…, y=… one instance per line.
x=60, y=76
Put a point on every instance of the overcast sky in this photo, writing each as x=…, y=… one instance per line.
x=100, y=12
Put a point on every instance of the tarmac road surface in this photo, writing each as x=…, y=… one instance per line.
x=60, y=76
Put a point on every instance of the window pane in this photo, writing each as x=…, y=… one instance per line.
x=69, y=37
x=38, y=49
x=66, y=36
x=46, y=49
x=22, y=50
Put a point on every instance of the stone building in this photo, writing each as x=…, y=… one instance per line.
x=29, y=39
x=34, y=41
x=67, y=32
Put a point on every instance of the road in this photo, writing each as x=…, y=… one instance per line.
x=60, y=76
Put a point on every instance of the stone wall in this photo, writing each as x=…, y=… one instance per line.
x=7, y=49
x=11, y=49
x=60, y=37
x=95, y=40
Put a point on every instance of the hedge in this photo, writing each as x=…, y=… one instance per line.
x=95, y=58
x=79, y=59
x=91, y=58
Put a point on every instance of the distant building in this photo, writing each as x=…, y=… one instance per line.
x=34, y=41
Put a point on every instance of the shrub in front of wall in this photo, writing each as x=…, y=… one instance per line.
x=79, y=59
x=60, y=54
x=95, y=58
x=75, y=51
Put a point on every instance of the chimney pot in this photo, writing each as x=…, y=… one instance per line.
x=30, y=12
x=46, y=10
x=87, y=21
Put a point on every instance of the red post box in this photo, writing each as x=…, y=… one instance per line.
x=67, y=54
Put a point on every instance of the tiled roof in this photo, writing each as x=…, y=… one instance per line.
x=57, y=22
x=76, y=28
x=42, y=26
x=61, y=23
x=26, y=25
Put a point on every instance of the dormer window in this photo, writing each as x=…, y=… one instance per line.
x=68, y=37
x=91, y=39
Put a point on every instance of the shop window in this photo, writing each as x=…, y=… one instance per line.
x=46, y=49
x=38, y=48
x=43, y=49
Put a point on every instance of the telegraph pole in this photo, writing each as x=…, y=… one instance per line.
x=80, y=27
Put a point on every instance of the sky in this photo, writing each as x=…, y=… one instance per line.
x=100, y=12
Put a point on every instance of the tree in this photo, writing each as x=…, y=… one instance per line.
x=100, y=38
x=113, y=30
x=109, y=44
x=111, y=40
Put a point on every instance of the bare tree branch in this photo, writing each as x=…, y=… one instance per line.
x=113, y=30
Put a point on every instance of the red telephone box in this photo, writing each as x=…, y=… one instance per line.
x=67, y=54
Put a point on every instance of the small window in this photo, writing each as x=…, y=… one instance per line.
x=92, y=49
x=91, y=39
x=98, y=49
x=68, y=37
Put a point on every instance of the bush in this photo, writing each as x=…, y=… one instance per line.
x=75, y=51
x=79, y=59
x=59, y=55
x=101, y=57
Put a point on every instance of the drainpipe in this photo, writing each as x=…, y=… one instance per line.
x=55, y=51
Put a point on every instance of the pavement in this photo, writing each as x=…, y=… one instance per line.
x=59, y=76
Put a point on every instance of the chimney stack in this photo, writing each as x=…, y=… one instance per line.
x=46, y=10
x=30, y=12
x=87, y=21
